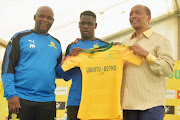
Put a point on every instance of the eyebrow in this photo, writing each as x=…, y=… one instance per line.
x=137, y=10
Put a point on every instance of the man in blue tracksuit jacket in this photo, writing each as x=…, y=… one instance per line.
x=28, y=70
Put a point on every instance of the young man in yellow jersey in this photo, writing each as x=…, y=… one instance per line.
x=87, y=26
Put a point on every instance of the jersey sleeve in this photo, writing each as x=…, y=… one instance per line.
x=164, y=61
x=61, y=74
x=59, y=59
x=72, y=61
x=10, y=61
x=128, y=55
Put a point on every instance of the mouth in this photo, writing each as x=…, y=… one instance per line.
x=134, y=21
x=85, y=32
x=44, y=26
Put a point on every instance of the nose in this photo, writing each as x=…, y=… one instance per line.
x=85, y=26
x=133, y=16
x=45, y=19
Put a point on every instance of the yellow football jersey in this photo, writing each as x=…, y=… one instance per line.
x=102, y=70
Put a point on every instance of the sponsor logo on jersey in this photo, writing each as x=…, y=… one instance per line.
x=101, y=69
x=32, y=45
x=52, y=44
x=90, y=57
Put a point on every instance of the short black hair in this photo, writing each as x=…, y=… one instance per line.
x=89, y=13
x=148, y=12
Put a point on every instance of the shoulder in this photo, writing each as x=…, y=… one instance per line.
x=17, y=36
x=78, y=44
x=55, y=39
x=68, y=47
x=158, y=36
x=160, y=40
x=100, y=40
x=22, y=33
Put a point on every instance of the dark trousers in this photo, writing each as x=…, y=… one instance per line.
x=72, y=112
x=155, y=113
x=31, y=110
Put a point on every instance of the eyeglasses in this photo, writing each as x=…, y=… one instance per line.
x=88, y=23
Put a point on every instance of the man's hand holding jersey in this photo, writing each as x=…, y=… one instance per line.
x=138, y=50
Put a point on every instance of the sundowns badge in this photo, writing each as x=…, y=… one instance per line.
x=52, y=44
x=96, y=45
x=110, y=57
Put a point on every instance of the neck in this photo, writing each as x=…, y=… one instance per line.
x=139, y=32
x=85, y=38
x=44, y=33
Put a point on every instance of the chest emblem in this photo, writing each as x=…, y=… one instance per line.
x=96, y=45
x=110, y=57
x=52, y=44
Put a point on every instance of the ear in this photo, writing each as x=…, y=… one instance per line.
x=53, y=21
x=95, y=25
x=79, y=24
x=34, y=17
x=149, y=18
